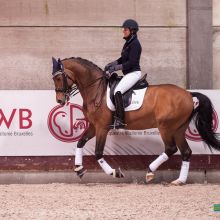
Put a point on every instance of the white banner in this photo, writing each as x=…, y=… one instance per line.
x=33, y=124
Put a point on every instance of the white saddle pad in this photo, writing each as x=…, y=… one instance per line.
x=136, y=100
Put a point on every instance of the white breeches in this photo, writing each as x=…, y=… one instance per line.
x=128, y=81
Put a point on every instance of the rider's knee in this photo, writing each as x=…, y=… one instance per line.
x=171, y=150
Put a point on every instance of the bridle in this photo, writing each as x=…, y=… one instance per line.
x=67, y=90
x=73, y=90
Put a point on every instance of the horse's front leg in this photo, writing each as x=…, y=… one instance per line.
x=79, y=169
x=100, y=144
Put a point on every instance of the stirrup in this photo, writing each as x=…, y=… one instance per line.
x=117, y=124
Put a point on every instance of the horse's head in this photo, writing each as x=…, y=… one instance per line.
x=86, y=77
x=62, y=81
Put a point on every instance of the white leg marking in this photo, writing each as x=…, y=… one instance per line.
x=78, y=156
x=183, y=174
x=156, y=163
x=105, y=166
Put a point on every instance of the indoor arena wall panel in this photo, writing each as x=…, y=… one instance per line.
x=26, y=53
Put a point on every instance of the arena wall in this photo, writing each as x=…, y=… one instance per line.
x=36, y=133
x=31, y=32
x=216, y=44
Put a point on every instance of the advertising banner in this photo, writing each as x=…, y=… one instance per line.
x=33, y=124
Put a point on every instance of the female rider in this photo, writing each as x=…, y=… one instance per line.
x=129, y=63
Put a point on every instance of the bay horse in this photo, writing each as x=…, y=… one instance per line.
x=166, y=107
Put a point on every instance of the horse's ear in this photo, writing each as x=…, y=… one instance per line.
x=56, y=66
x=60, y=65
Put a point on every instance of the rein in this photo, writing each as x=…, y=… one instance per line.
x=89, y=85
x=97, y=103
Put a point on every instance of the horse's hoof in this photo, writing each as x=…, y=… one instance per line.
x=80, y=171
x=177, y=183
x=149, y=177
x=117, y=173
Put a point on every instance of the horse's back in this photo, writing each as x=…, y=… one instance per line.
x=169, y=102
x=168, y=89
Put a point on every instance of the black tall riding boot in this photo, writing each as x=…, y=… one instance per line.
x=119, y=112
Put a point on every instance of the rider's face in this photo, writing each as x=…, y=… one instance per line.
x=126, y=32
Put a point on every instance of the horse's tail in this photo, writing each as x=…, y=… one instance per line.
x=203, y=116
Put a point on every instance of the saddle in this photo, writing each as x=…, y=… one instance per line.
x=115, y=79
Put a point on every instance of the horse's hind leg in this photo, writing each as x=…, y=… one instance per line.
x=185, y=154
x=170, y=149
x=79, y=169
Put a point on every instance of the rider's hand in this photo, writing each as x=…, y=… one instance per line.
x=115, y=68
x=107, y=67
x=110, y=64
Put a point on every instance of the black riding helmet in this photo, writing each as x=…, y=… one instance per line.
x=131, y=24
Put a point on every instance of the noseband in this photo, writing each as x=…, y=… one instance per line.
x=68, y=91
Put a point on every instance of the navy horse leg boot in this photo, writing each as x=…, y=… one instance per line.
x=119, y=112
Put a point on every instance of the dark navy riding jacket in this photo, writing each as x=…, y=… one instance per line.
x=130, y=55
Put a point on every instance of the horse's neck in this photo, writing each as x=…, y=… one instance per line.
x=88, y=82
x=87, y=78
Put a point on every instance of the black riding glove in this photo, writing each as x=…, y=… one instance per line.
x=115, y=68
x=110, y=64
